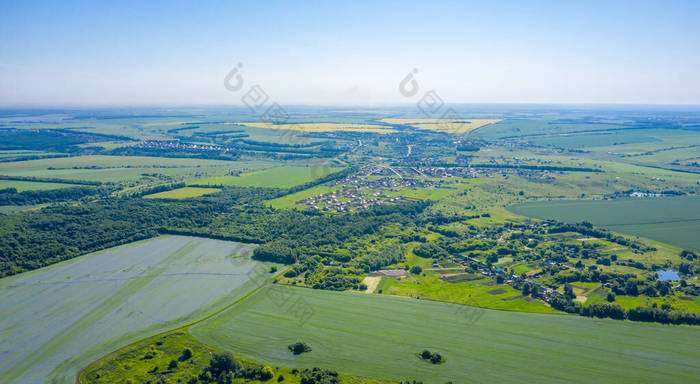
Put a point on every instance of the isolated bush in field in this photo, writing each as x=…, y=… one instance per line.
x=172, y=365
x=433, y=357
x=186, y=354
x=416, y=269
x=363, y=287
x=299, y=348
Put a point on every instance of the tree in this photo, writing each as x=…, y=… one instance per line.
x=436, y=358
x=267, y=373
x=416, y=269
x=684, y=268
x=172, y=365
x=223, y=363
x=299, y=348
x=611, y=297
x=186, y=354
x=569, y=292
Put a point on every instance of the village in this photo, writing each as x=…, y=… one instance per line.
x=348, y=199
x=362, y=192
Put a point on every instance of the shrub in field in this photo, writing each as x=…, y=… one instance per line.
x=433, y=357
x=299, y=348
x=186, y=355
x=319, y=376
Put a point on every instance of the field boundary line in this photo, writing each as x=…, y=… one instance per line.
x=184, y=327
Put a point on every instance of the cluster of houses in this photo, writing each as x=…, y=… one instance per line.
x=358, y=192
x=447, y=172
x=347, y=199
x=157, y=144
x=644, y=194
x=390, y=183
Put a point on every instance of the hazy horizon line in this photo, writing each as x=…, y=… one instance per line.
x=34, y=105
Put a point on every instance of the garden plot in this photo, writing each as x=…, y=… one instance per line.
x=58, y=319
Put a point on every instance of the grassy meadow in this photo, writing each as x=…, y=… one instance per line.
x=163, y=349
x=672, y=220
x=122, y=168
x=379, y=336
x=21, y=185
x=183, y=193
x=479, y=292
x=279, y=177
x=323, y=127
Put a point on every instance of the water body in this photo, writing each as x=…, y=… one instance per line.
x=668, y=275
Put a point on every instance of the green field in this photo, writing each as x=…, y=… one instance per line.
x=182, y=193
x=481, y=293
x=672, y=220
x=33, y=185
x=280, y=177
x=379, y=336
x=56, y=320
x=123, y=168
x=129, y=362
x=289, y=201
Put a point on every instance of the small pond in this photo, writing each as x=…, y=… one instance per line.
x=668, y=275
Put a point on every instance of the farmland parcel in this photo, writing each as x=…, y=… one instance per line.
x=56, y=320
x=673, y=220
x=379, y=336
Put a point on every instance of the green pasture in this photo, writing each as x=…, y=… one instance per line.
x=129, y=363
x=673, y=220
x=123, y=168
x=289, y=201
x=379, y=336
x=280, y=177
x=484, y=293
x=21, y=185
x=183, y=193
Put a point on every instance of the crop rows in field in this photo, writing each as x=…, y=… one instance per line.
x=55, y=320
x=379, y=336
x=672, y=220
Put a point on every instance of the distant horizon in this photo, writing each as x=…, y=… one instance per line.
x=58, y=106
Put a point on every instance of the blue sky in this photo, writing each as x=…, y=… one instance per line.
x=354, y=53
